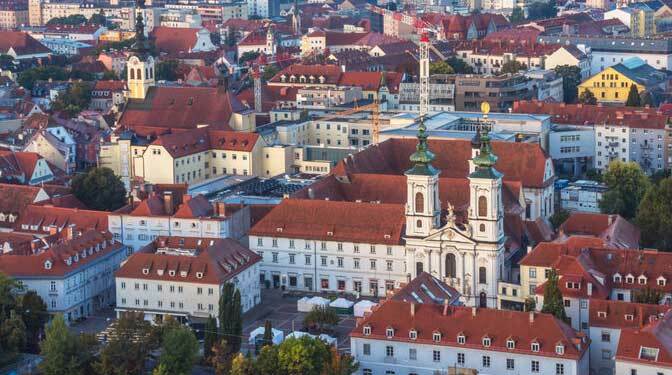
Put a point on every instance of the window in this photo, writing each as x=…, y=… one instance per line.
x=560, y=349
x=275, y=242
x=355, y=264
x=535, y=346
x=367, y=330
x=486, y=341
x=649, y=354
x=559, y=369
x=372, y=249
x=436, y=356
x=389, y=265
x=389, y=332
x=419, y=202
x=275, y=257
x=606, y=354
x=367, y=349
x=460, y=358
x=606, y=336
x=367, y=371
x=510, y=364
x=339, y=262
x=534, y=366
x=482, y=275
x=412, y=354
x=52, y=286
x=482, y=206
x=373, y=264
x=307, y=259
x=533, y=273
x=510, y=344
x=291, y=244
x=323, y=261
x=436, y=336
x=486, y=361
x=389, y=351
x=568, y=303
x=461, y=339
x=291, y=259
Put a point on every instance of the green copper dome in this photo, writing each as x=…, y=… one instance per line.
x=486, y=159
x=422, y=158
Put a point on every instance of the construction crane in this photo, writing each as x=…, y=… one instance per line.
x=424, y=76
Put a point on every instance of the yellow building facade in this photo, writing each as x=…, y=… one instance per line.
x=609, y=86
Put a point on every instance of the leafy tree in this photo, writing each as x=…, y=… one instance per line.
x=33, y=311
x=320, y=319
x=304, y=355
x=340, y=364
x=553, y=302
x=210, y=339
x=559, y=217
x=541, y=10
x=248, y=56
x=587, y=97
x=76, y=99
x=647, y=99
x=571, y=78
x=269, y=72
x=73, y=20
x=167, y=70
x=222, y=358
x=530, y=304
x=126, y=351
x=654, y=216
x=517, y=15
x=459, y=66
x=12, y=336
x=634, y=99
x=6, y=61
x=440, y=67
x=267, y=361
x=99, y=189
x=593, y=175
x=268, y=333
x=65, y=353
x=179, y=350
x=28, y=77
x=242, y=366
x=161, y=370
x=98, y=19
x=512, y=66
x=110, y=75
x=8, y=300
x=230, y=317
x=648, y=295
x=626, y=184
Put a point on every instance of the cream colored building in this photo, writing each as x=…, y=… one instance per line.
x=13, y=18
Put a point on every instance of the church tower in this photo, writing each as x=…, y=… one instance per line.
x=140, y=66
x=296, y=19
x=423, y=206
x=486, y=212
x=270, y=41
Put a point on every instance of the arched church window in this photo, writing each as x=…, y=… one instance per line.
x=138, y=73
x=482, y=206
x=151, y=73
x=482, y=275
x=418, y=223
x=450, y=265
x=481, y=227
x=419, y=202
x=132, y=73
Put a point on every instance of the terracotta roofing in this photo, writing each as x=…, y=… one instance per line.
x=61, y=258
x=243, y=24
x=523, y=162
x=621, y=314
x=255, y=38
x=613, y=229
x=18, y=163
x=181, y=108
x=173, y=40
x=474, y=324
x=109, y=85
x=331, y=73
x=200, y=260
x=372, y=81
x=655, y=338
x=500, y=48
x=546, y=253
x=271, y=96
x=203, y=139
x=15, y=243
x=347, y=221
x=515, y=35
x=426, y=288
x=21, y=42
x=15, y=198
x=581, y=114
x=38, y=218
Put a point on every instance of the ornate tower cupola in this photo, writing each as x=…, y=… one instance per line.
x=296, y=19
x=423, y=206
x=486, y=212
x=140, y=66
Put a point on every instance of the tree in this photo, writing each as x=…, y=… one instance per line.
x=634, y=100
x=63, y=352
x=541, y=10
x=304, y=355
x=74, y=100
x=553, y=301
x=110, y=75
x=517, y=15
x=340, y=364
x=512, y=66
x=459, y=66
x=73, y=20
x=98, y=19
x=179, y=350
x=28, y=77
x=126, y=351
x=559, y=217
x=648, y=295
x=167, y=70
x=160, y=370
x=440, y=67
x=269, y=72
x=654, y=216
x=647, y=99
x=267, y=361
x=12, y=337
x=247, y=56
x=587, y=97
x=268, y=333
x=571, y=78
x=210, y=339
x=33, y=311
x=99, y=189
x=230, y=317
x=221, y=358
x=530, y=304
x=626, y=186
x=242, y=366
x=320, y=319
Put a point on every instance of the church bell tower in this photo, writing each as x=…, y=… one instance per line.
x=140, y=66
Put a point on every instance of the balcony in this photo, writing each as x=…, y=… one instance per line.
x=613, y=144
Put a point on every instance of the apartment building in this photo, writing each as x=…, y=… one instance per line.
x=13, y=14
x=184, y=277
x=644, y=350
x=72, y=272
x=499, y=91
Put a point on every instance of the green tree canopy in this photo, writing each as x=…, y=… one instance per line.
x=179, y=350
x=634, y=100
x=28, y=77
x=242, y=365
x=559, y=216
x=517, y=15
x=230, y=317
x=72, y=20
x=512, y=66
x=587, y=97
x=340, y=364
x=440, y=67
x=301, y=356
x=626, y=184
x=268, y=333
x=459, y=66
x=211, y=335
x=553, y=301
x=654, y=216
x=65, y=353
x=647, y=99
x=76, y=99
x=571, y=78
x=99, y=189
x=98, y=19
x=127, y=348
x=320, y=319
x=167, y=70
x=247, y=56
x=33, y=311
x=541, y=10
x=12, y=329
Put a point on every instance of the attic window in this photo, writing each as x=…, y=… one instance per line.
x=413, y=334
x=486, y=342
x=278, y=229
x=617, y=278
x=436, y=336
x=159, y=272
x=510, y=344
x=387, y=236
x=629, y=279
x=171, y=273
x=183, y=273
x=199, y=275
x=629, y=317
x=661, y=281
x=560, y=349
x=642, y=280
x=461, y=339
x=47, y=265
x=330, y=233
x=535, y=347
x=602, y=314
x=389, y=332
x=367, y=330
x=145, y=271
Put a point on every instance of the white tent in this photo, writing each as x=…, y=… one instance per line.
x=328, y=339
x=278, y=335
x=319, y=301
x=298, y=335
x=341, y=303
x=304, y=305
x=363, y=306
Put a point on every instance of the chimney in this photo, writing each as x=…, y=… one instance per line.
x=473, y=311
x=531, y=316
x=168, y=202
x=33, y=246
x=412, y=309
x=70, y=232
x=445, y=307
x=186, y=198
x=220, y=209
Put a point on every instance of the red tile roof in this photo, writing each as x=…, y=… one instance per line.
x=255, y=38
x=331, y=73
x=580, y=114
x=656, y=335
x=37, y=218
x=347, y=221
x=613, y=229
x=515, y=35
x=372, y=81
x=203, y=139
x=426, y=288
x=15, y=198
x=523, y=162
x=95, y=244
x=475, y=324
x=19, y=164
x=612, y=314
x=173, y=40
x=21, y=42
x=214, y=260
x=109, y=85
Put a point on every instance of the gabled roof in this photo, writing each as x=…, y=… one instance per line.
x=612, y=314
x=18, y=163
x=613, y=229
x=655, y=335
x=38, y=218
x=199, y=140
x=173, y=40
x=426, y=288
x=22, y=43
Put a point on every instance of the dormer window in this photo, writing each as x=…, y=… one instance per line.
x=617, y=278
x=413, y=334
x=629, y=279
x=389, y=332
x=183, y=273
x=145, y=271
x=461, y=339
x=510, y=344
x=199, y=275
x=629, y=317
x=367, y=330
x=642, y=280
x=560, y=349
x=159, y=272
x=47, y=265
x=171, y=273
x=76, y=258
x=535, y=347
x=602, y=314
x=661, y=281
x=486, y=342
x=436, y=336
